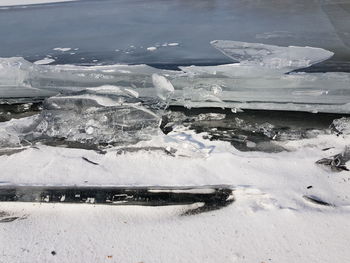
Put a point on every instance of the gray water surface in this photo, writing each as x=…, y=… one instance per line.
x=100, y=27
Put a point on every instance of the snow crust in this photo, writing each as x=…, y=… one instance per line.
x=88, y=233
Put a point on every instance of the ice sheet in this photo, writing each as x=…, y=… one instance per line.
x=258, y=81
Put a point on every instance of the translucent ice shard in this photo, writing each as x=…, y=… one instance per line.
x=258, y=81
x=341, y=126
x=98, y=119
x=89, y=117
x=12, y=132
x=270, y=56
x=20, y=78
x=163, y=86
x=15, y=76
x=211, y=116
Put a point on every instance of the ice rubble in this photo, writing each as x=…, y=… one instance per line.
x=88, y=117
x=248, y=131
x=97, y=119
x=258, y=81
x=341, y=126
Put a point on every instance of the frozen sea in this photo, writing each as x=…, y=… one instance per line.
x=116, y=94
x=117, y=31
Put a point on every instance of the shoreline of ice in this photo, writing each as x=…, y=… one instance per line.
x=263, y=78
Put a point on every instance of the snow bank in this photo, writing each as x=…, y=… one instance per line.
x=85, y=233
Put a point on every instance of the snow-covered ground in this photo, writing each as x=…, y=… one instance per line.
x=238, y=233
x=270, y=220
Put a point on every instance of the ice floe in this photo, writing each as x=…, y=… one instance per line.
x=152, y=48
x=44, y=61
x=63, y=49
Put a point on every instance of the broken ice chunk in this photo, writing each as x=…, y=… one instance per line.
x=63, y=49
x=191, y=95
x=151, y=48
x=163, y=86
x=341, y=126
x=211, y=116
x=271, y=56
x=97, y=119
x=15, y=75
x=113, y=90
x=12, y=132
x=44, y=61
x=14, y=70
x=187, y=146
